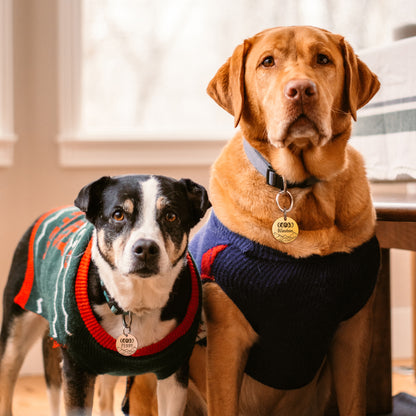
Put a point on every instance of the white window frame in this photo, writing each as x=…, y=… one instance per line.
x=7, y=135
x=77, y=149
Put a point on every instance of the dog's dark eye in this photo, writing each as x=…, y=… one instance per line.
x=170, y=216
x=118, y=215
x=268, y=62
x=322, y=59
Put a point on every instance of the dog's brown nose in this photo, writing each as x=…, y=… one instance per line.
x=300, y=89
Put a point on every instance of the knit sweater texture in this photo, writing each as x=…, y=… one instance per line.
x=294, y=304
x=56, y=287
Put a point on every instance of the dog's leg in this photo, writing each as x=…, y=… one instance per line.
x=53, y=373
x=348, y=358
x=106, y=385
x=172, y=393
x=142, y=395
x=78, y=387
x=196, y=405
x=17, y=336
x=230, y=338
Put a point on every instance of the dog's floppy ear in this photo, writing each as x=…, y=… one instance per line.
x=227, y=86
x=198, y=197
x=89, y=194
x=360, y=83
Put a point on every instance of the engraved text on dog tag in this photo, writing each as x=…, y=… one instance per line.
x=126, y=344
x=285, y=230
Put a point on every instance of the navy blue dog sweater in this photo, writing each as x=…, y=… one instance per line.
x=294, y=304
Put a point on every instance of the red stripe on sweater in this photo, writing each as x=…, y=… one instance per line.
x=207, y=261
x=23, y=296
x=105, y=339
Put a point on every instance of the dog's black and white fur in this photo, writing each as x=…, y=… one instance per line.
x=141, y=229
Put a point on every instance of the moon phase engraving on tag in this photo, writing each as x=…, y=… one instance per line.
x=126, y=344
x=285, y=230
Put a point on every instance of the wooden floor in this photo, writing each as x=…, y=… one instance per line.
x=31, y=398
x=403, y=377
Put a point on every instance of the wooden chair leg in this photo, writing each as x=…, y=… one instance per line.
x=413, y=277
x=379, y=389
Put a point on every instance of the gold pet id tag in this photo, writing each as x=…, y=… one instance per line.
x=285, y=229
x=126, y=343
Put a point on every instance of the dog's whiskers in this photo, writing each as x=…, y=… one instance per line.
x=338, y=111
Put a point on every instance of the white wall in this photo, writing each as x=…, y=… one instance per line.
x=401, y=312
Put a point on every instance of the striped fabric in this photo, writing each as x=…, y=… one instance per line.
x=385, y=132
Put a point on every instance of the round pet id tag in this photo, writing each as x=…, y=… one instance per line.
x=126, y=344
x=285, y=230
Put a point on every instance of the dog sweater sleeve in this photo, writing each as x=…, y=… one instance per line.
x=57, y=243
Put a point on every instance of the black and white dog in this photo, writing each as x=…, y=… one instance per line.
x=113, y=284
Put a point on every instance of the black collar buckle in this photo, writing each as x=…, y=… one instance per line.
x=272, y=178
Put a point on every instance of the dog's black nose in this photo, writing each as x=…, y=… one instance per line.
x=146, y=250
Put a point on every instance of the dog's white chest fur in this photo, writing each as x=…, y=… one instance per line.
x=147, y=328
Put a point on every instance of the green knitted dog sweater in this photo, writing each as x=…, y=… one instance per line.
x=56, y=287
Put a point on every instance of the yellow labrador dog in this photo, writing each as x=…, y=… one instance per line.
x=288, y=256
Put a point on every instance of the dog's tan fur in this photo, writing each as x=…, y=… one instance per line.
x=334, y=215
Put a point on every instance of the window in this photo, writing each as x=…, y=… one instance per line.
x=134, y=72
x=7, y=136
